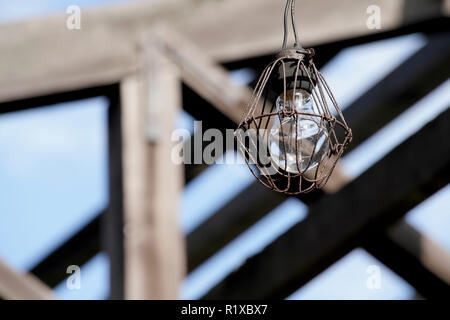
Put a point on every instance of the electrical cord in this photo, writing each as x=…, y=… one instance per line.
x=290, y=6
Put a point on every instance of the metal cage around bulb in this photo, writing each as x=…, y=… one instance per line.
x=291, y=162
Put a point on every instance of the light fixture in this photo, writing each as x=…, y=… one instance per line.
x=293, y=132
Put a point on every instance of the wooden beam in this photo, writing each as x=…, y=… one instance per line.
x=61, y=97
x=208, y=238
x=419, y=9
x=382, y=107
x=336, y=222
x=201, y=73
x=414, y=256
x=232, y=219
x=79, y=249
x=446, y=7
x=112, y=221
x=403, y=87
x=202, y=110
x=154, y=249
x=209, y=84
x=234, y=30
x=327, y=50
x=22, y=286
x=102, y=51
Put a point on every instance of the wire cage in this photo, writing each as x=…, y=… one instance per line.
x=293, y=132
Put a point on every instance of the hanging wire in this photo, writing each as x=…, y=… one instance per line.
x=290, y=6
x=292, y=70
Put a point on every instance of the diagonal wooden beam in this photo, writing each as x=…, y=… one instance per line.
x=237, y=215
x=94, y=93
x=201, y=73
x=270, y=199
x=19, y=286
x=433, y=55
x=407, y=84
x=383, y=106
x=414, y=256
x=79, y=249
x=337, y=222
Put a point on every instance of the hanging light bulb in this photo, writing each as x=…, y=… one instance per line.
x=294, y=117
x=299, y=141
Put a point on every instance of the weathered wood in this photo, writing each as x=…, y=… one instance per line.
x=214, y=84
x=102, y=51
x=22, y=286
x=236, y=231
x=73, y=79
x=337, y=221
x=154, y=250
x=203, y=74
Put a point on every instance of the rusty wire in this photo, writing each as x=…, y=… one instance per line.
x=254, y=129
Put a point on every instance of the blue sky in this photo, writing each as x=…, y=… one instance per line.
x=53, y=178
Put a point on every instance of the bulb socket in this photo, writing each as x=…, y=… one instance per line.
x=306, y=79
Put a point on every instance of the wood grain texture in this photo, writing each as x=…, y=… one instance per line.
x=154, y=245
x=42, y=56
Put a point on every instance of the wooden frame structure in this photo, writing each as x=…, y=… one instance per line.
x=135, y=57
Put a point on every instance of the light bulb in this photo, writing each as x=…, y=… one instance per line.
x=293, y=138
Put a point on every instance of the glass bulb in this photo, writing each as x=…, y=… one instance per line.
x=297, y=134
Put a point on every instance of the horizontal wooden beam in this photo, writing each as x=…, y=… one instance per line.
x=336, y=223
x=52, y=99
x=22, y=286
x=42, y=56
